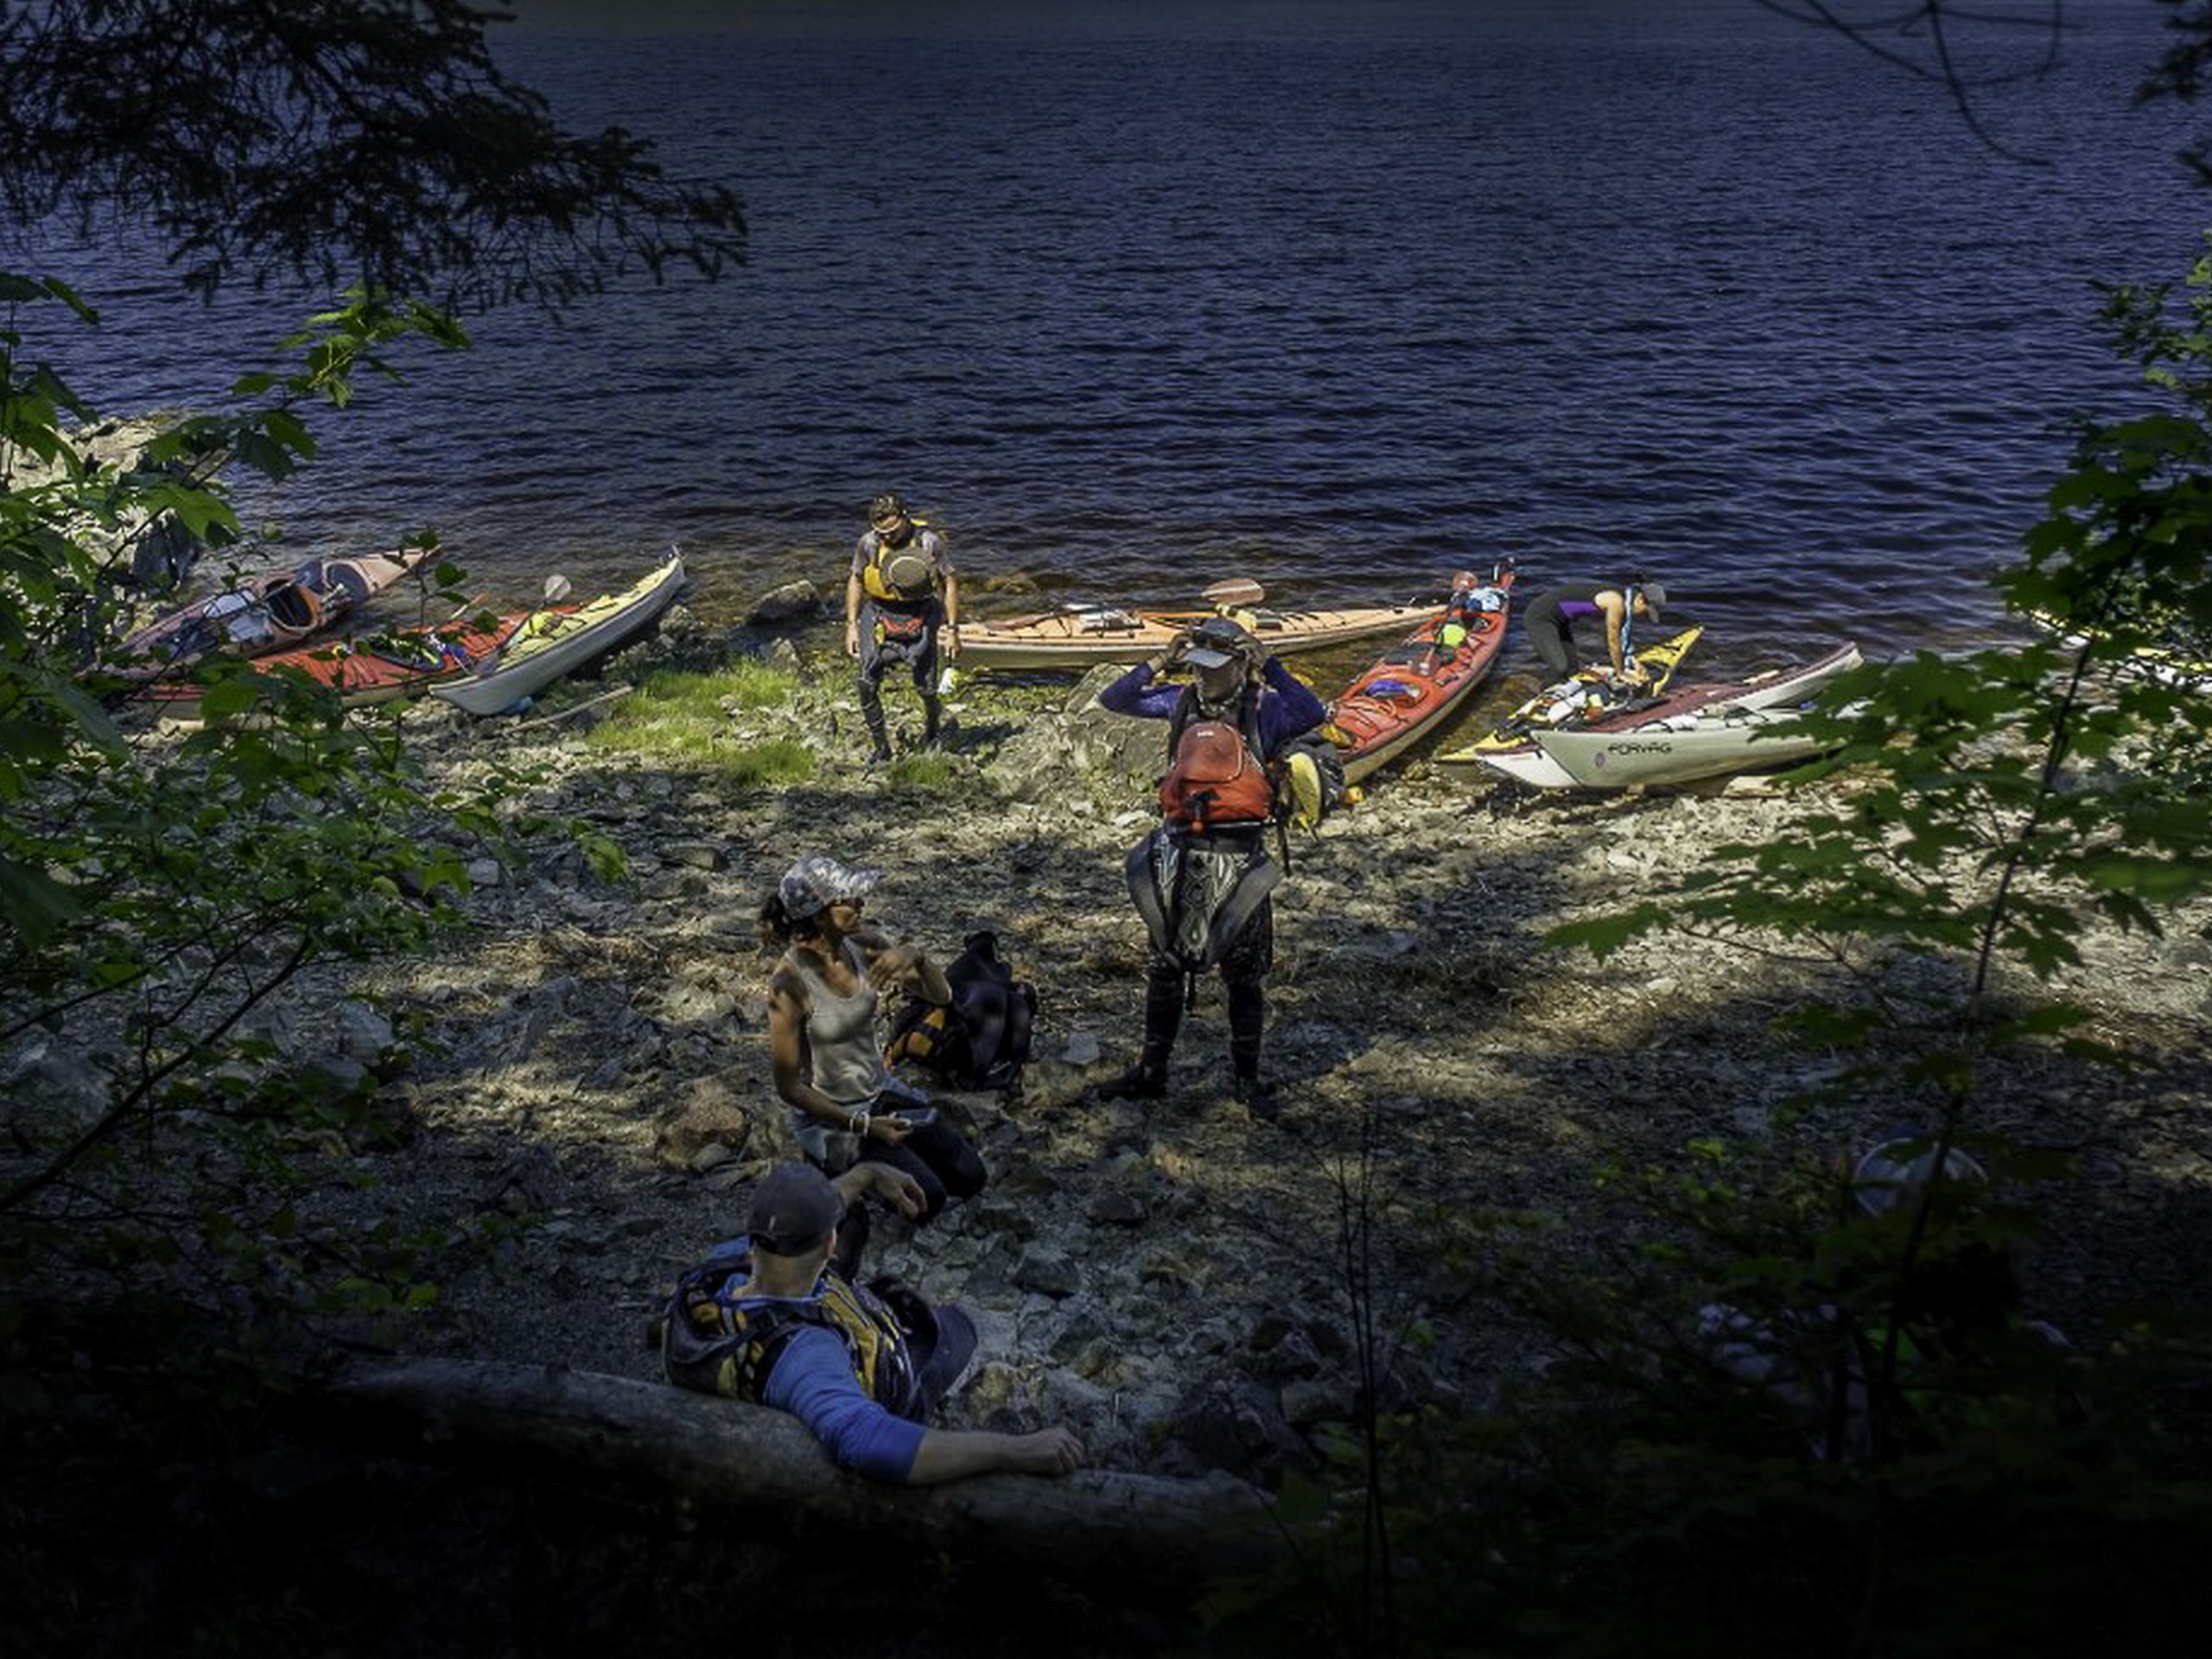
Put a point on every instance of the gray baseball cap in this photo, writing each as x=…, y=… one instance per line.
x=817, y=881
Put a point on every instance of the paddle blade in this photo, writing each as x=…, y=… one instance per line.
x=1234, y=590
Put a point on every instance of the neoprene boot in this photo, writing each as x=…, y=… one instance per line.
x=1247, y=1019
x=1163, y=1018
x=872, y=712
x=1255, y=1095
x=932, y=716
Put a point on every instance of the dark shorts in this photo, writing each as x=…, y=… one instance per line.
x=942, y=1163
x=1551, y=638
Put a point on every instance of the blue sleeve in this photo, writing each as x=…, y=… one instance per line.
x=1135, y=694
x=813, y=1379
x=1293, y=709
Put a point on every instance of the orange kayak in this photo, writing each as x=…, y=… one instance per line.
x=371, y=668
x=1415, y=687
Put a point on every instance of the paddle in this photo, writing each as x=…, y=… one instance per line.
x=557, y=587
x=1233, y=593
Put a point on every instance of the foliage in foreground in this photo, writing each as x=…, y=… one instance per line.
x=341, y=141
x=158, y=893
x=1784, y=1415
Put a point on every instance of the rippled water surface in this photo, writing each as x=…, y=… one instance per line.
x=1706, y=295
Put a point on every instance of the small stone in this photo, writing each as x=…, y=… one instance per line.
x=698, y=855
x=1119, y=1207
x=1047, y=1271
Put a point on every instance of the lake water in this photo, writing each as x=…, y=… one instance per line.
x=1687, y=289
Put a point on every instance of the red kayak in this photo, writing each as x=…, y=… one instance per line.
x=372, y=667
x=1416, y=685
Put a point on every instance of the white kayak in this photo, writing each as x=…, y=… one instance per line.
x=547, y=643
x=1682, y=748
x=1537, y=766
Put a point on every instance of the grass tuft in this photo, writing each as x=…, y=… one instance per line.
x=930, y=772
x=682, y=719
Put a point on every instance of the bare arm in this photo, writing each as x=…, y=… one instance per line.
x=894, y=1186
x=903, y=966
x=1615, y=608
x=853, y=615
x=955, y=1454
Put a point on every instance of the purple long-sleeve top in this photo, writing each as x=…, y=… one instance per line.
x=1287, y=707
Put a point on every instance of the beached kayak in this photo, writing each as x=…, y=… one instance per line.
x=550, y=643
x=1416, y=685
x=1585, y=698
x=371, y=668
x=2174, y=664
x=269, y=613
x=1080, y=636
x=1684, y=748
x=1531, y=763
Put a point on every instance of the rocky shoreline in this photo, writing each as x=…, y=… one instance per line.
x=591, y=1065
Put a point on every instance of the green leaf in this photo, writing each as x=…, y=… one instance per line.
x=33, y=904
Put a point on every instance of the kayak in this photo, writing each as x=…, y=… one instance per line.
x=269, y=612
x=1586, y=698
x=2167, y=665
x=1683, y=748
x=368, y=669
x=1414, y=686
x=1707, y=747
x=549, y=643
x=1079, y=636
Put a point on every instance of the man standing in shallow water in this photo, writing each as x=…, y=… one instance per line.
x=902, y=600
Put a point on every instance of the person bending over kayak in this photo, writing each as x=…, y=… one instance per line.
x=1202, y=880
x=1549, y=623
x=846, y=1106
x=770, y=1318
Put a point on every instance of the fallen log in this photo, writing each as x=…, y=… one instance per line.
x=1151, y=1539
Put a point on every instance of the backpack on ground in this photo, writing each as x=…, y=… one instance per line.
x=981, y=1039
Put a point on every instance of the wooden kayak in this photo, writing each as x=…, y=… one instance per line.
x=550, y=643
x=1080, y=636
x=1582, y=699
x=1415, y=687
x=272, y=612
x=1777, y=688
x=370, y=668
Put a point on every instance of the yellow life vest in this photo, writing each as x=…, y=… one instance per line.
x=901, y=575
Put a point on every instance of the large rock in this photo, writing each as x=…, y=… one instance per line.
x=792, y=602
x=1078, y=738
x=51, y=1093
x=712, y=1121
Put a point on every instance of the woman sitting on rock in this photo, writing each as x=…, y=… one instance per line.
x=846, y=1106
